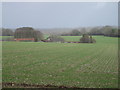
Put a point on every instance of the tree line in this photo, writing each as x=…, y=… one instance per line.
x=7, y=32
x=29, y=32
x=105, y=31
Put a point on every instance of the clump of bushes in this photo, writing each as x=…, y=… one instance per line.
x=55, y=38
x=87, y=39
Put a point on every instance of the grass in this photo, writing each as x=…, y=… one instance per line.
x=71, y=38
x=5, y=37
x=69, y=64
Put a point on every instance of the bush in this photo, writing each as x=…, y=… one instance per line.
x=54, y=38
x=38, y=36
x=87, y=39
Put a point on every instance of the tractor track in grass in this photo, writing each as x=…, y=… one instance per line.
x=25, y=85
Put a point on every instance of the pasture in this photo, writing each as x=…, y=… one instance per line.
x=62, y=64
x=6, y=38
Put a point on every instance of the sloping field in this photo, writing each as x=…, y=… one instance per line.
x=62, y=64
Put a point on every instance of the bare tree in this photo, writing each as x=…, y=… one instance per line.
x=7, y=32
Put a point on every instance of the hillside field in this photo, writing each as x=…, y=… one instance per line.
x=62, y=64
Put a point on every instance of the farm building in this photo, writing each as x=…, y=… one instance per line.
x=24, y=39
x=27, y=34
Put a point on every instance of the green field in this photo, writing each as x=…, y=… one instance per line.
x=5, y=37
x=68, y=64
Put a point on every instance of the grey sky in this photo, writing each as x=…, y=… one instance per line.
x=59, y=15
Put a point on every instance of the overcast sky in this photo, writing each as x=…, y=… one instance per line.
x=59, y=15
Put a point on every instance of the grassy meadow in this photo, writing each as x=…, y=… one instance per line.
x=4, y=38
x=68, y=64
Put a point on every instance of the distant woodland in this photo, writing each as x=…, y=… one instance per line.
x=104, y=30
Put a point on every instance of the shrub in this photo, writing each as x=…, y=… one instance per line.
x=54, y=38
x=87, y=39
